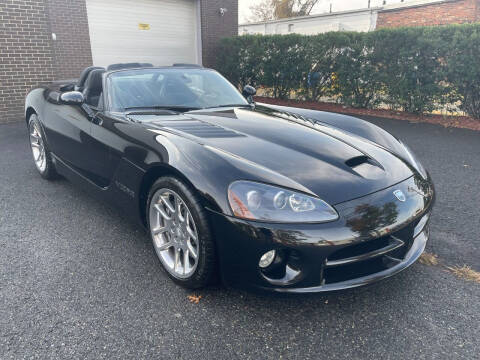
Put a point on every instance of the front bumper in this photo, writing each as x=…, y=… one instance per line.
x=375, y=237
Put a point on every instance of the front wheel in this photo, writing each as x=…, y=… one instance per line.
x=180, y=233
x=41, y=154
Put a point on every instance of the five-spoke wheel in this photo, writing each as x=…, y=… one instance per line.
x=180, y=232
x=41, y=154
x=38, y=149
x=174, y=233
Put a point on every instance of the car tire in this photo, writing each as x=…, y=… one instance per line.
x=172, y=237
x=40, y=151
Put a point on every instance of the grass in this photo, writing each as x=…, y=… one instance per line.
x=428, y=259
x=465, y=272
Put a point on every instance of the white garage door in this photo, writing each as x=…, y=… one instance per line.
x=161, y=32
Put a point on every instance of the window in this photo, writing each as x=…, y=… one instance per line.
x=193, y=88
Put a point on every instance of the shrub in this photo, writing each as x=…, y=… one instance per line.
x=408, y=68
x=322, y=54
x=461, y=51
x=357, y=77
x=414, y=69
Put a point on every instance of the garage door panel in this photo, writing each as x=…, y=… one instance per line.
x=115, y=35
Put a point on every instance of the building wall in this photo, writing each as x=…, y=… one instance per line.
x=439, y=13
x=72, y=52
x=408, y=13
x=29, y=56
x=357, y=20
x=216, y=27
x=25, y=53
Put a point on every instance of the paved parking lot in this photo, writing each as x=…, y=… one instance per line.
x=78, y=280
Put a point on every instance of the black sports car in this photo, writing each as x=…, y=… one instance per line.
x=270, y=197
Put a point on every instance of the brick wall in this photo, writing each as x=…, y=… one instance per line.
x=215, y=26
x=25, y=53
x=72, y=51
x=29, y=56
x=446, y=12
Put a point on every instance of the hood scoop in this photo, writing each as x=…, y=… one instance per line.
x=200, y=129
x=357, y=161
x=366, y=167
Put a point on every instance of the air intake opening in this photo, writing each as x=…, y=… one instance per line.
x=357, y=160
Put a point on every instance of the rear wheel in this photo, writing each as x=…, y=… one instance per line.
x=180, y=233
x=41, y=154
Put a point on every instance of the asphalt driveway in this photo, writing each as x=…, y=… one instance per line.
x=78, y=280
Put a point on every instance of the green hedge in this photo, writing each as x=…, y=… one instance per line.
x=414, y=69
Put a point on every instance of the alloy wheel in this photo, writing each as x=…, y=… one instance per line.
x=174, y=233
x=38, y=147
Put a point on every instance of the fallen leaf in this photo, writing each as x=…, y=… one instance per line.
x=428, y=259
x=194, y=298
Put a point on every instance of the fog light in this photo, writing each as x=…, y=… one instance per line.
x=267, y=259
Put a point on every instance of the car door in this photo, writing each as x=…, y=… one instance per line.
x=67, y=128
x=107, y=146
x=108, y=142
x=112, y=141
x=98, y=167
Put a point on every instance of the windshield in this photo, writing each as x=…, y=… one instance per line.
x=175, y=88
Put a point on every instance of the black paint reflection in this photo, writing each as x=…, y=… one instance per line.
x=371, y=218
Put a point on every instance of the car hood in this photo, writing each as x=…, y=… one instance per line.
x=335, y=165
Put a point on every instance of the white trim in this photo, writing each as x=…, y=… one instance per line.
x=199, y=34
x=309, y=17
x=373, y=20
x=388, y=7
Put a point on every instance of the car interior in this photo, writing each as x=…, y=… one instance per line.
x=176, y=88
x=171, y=89
x=90, y=81
x=94, y=87
x=80, y=85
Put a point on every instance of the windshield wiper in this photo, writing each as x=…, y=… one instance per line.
x=175, y=108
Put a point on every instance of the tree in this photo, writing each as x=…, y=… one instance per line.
x=263, y=11
x=281, y=9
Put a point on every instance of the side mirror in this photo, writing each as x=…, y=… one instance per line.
x=67, y=87
x=72, y=98
x=248, y=92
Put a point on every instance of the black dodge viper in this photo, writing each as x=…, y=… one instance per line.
x=267, y=197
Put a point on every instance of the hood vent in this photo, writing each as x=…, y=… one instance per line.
x=201, y=129
x=366, y=167
x=357, y=160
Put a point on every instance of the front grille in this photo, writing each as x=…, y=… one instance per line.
x=359, y=249
x=353, y=271
x=368, y=257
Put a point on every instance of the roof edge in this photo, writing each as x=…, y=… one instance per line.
x=414, y=4
x=306, y=17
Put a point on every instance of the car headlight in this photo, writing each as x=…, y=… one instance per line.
x=414, y=161
x=257, y=201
